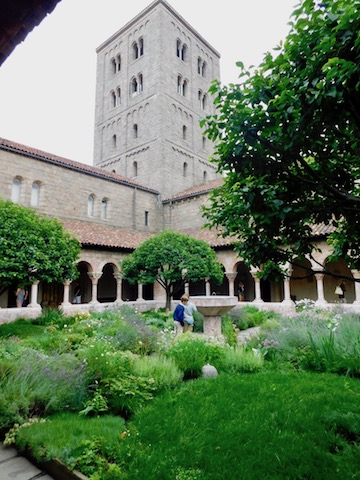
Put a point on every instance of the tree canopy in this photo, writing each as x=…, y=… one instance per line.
x=171, y=259
x=288, y=141
x=34, y=248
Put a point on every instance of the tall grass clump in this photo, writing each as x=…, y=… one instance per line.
x=190, y=353
x=39, y=384
x=122, y=382
x=248, y=317
x=126, y=329
x=240, y=360
x=317, y=340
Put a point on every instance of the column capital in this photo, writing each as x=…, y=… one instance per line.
x=231, y=275
x=94, y=276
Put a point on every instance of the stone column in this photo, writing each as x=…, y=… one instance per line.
x=66, y=300
x=186, y=288
x=34, y=294
x=356, y=275
x=231, y=278
x=118, y=278
x=94, y=277
x=320, y=288
x=258, y=298
x=287, y=294
x=207, y=287
x=140, y=293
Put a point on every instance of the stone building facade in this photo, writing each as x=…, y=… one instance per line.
x=151, y=172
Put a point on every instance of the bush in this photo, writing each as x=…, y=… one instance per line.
x=229, y=330
x=191, y=353
x=157, y=319
x=317, y=340
x=240, y=360
x=127, y=331
x=50, y=316
x=103, y=361
x=162, y=370
x=248, y=317
x=198, y=322
x=39, y=384
x=122, y=382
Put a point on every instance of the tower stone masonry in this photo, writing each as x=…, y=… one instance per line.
x=153, y=77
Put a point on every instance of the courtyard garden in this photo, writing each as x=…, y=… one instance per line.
x=115, y=395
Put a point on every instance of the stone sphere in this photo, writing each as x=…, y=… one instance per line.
x=209, y=371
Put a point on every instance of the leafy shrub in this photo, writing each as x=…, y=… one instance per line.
x=103, y=361
x=198, y=322
x=229, y=330
x=50, y=316
x=122, y=381
x=126, y=395
x=127, y=330
x=319, y=341
x=240, y=360
x=40, y=384
x=157, y=318
x=248, y=317
x=191, y=353
x=162, y=370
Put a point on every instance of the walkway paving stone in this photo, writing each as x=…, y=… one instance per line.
x=15, y=467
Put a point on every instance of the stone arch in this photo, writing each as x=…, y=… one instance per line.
x=51, y=294
x=339, y=271
x=129, y=291
x=243, y=275
x=222, y=289
x=107, y=283
x=302, y=281
x=84, y=281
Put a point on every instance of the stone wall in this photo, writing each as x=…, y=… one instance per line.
x=64, y=193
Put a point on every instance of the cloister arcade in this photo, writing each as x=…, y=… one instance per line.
x=102, y=286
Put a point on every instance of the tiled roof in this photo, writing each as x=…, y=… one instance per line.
x=71, y=164
x=322, y=230
x=196, y=190
x=94, y=234
x=212, y=237
x=17, y=19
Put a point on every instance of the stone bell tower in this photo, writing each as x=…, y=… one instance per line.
x=153, y=77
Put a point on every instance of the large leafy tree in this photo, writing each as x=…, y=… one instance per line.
x=34, y=248
x=171, y=259
x=288, y=140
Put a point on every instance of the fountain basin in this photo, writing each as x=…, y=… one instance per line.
x=212, y=307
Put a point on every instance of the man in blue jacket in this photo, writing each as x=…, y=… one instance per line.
x=179, y=318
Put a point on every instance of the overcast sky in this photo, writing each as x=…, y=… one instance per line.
x=47, y=85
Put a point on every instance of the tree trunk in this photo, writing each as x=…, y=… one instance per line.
x=168, y=301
